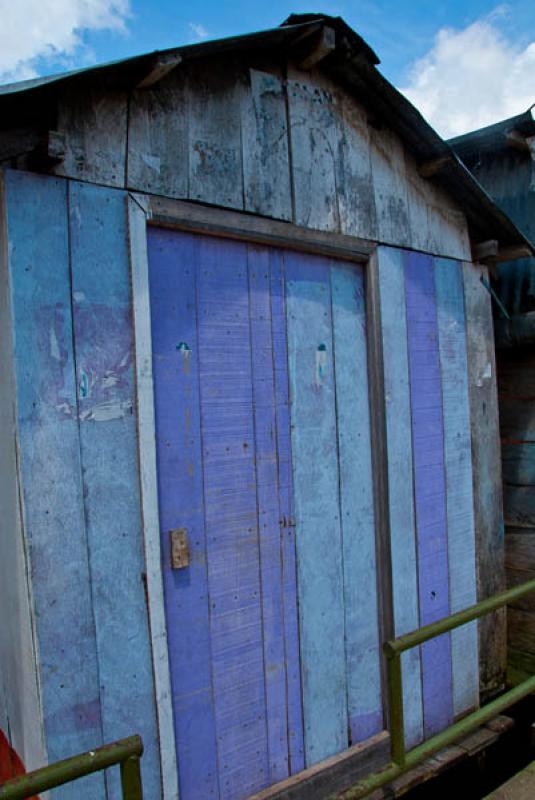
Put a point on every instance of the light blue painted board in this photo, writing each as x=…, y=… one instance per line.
x=173, y=261
x=104, y=355
x=231, y=517
x=363, y=657
x=51, y=470
x=286, y=506
x=459, y=493
x=319, y=546
x=429, y=485
x=400, y=477
x=269, y=515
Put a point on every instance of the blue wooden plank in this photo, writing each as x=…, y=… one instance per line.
x=400, y=480
x=459, y=492
x=429, y=485
x=51, y=470
x=173, y=264
x=286, y=506
x=319, y=551
x=231, y=518
x=104, y=354
x=269, y=515
x=356, y=503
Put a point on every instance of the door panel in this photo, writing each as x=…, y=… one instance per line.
x=274, y=657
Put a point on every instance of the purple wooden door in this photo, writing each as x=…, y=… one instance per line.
x=225, y=477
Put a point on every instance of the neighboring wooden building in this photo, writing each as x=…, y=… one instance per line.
x=249, y=418
x=502, y=158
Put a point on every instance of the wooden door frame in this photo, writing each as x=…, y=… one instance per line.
x=144, y=210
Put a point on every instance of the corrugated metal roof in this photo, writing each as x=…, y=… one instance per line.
x=353, y=64
x=494, y=137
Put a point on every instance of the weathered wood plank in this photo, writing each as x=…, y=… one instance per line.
x=314, y=145
x=94, y=122
x=354, y=183
x=401, y=505
x=390, y=188
x=158, y=139
x=486, y=472
x=103, y=353
x=21, y=714
x=181, y=502
x=139, y=266
x=429, y=485
x=334, y=774
x=459, y=492
x=266, y=167
x=233, y=225
x=214, y=96
x=319, y=547
x=363, y=658
x=231, y=516
x=51, y=469
x=269, y=513
x=286, y=504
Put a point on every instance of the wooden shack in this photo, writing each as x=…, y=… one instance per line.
x=502, y=157
x=248, y=415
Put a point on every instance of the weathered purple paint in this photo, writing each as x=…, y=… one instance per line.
x=287, y=513
x=180, y=489
x=429, y=485
x=220, y=399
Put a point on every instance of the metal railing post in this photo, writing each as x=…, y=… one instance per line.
x=126, y=752
x=131, y=779
x=395, y=701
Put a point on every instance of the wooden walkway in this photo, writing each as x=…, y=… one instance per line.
x=520, y=787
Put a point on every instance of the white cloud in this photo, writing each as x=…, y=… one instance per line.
x=35, y=30
x=198, y=30
x=472, y=77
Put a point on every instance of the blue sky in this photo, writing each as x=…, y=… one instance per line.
x=426, y=48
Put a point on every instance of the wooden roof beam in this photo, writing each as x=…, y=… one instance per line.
x=160, y=67
x=317, y=48
x=490, y=252
x=428, y=169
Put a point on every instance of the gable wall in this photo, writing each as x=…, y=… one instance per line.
x=261, y=137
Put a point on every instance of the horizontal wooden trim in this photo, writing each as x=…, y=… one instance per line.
x=334, y=774
x=238, y=225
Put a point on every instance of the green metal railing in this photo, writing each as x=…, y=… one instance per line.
x=403, y=761
x=126, y=752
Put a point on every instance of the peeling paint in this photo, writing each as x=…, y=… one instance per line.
x=83, y=385
x=321, y=363
x=484, y=374
x=54, y=346
x=106, y=411
x=79, y=297
x=152, y=162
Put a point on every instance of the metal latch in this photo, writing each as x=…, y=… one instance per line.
x=179, y=548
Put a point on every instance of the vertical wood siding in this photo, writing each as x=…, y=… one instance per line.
x=21, y=718
x=400, y=481
x=217, y=309
x=487, y=480
x=301, y=150
x=316, y=481
x=287, y=512
x=429, y=485
x=181, y=504
x=364, y=696
x=51, y=469
x=458, y=464
x=103, y=351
